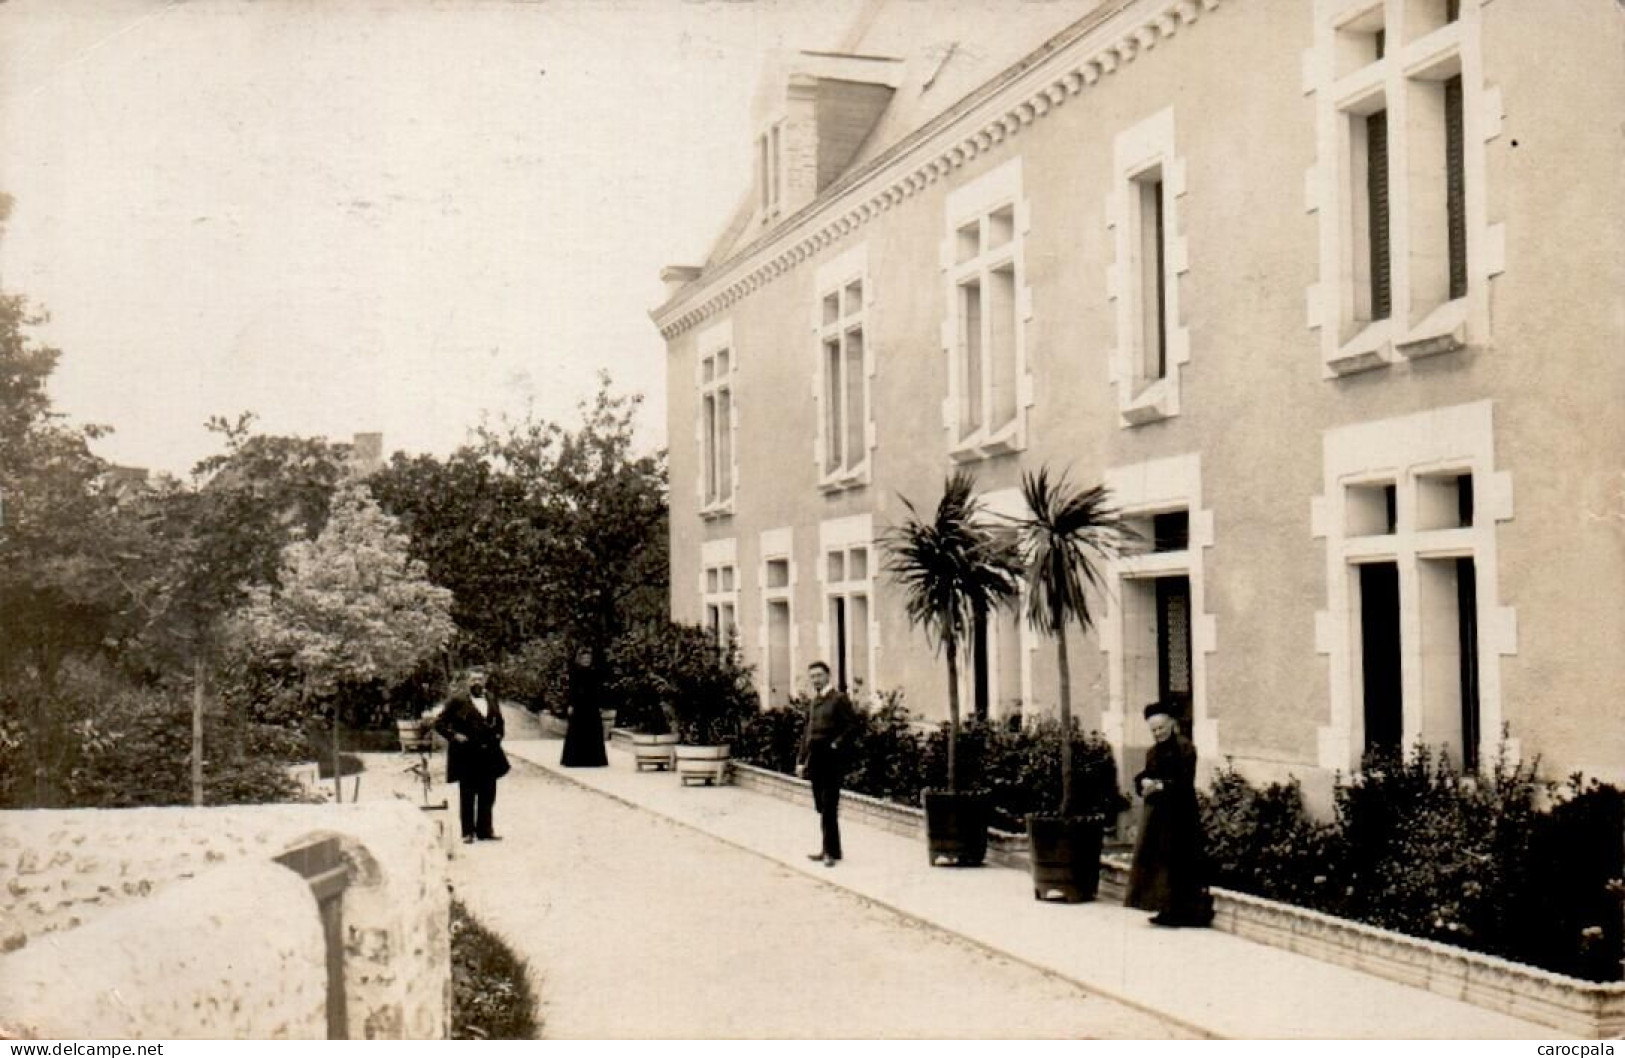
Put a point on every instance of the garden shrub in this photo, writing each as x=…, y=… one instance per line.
x=1264, y=841
x=1569, y=918
x=772, y=738
x=536, y=675
x=127, y=746
x=676, y=674
x=892, y=758
x=1418, y=848
x=887, y=759
x=1424, y=851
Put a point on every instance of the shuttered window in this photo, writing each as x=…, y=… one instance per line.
x=1162, y=288
x=1455, y=187
x=1376, y=132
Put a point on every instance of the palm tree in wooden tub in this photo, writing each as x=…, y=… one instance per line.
x=1063, y=538
x=952, y=568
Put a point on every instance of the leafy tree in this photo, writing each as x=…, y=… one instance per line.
x=480, y=533
x=59, y=590
x=352, y=606
x=1062, y=537
x=951, y=569
x=605, y=562
x=206, y=546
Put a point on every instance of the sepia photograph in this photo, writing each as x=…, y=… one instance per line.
x=788, y=520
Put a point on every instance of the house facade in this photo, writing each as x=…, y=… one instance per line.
x=1328, y=294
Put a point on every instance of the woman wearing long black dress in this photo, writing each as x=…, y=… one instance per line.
x=584, y=736
x=1170, y=865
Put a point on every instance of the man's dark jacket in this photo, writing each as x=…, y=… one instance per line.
x=481, y=756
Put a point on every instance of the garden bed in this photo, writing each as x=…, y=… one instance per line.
x=1581, y=1008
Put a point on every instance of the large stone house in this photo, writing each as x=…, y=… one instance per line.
x=1329, y=294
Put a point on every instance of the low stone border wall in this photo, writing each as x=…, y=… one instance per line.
x=1581, y=1008
x=1003, y=848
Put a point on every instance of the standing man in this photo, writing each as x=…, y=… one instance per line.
x=1170, y=864
x=830, y=719
x=472, y=726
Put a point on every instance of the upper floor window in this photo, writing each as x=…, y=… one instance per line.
x=989, y=389
x=1399, y=266
x=845, y=364
x=770, y=170
x=1152, y=259
x=718, y=420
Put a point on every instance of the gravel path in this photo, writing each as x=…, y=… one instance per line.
x=639, y=928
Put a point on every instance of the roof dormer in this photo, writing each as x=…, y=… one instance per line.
x=813, y=114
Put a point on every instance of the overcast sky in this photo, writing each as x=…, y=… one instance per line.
x=367, y=215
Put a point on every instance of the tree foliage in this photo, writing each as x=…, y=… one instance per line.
x=1063, y=538
x=351, y=606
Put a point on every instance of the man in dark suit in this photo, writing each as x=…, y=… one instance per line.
x=830, y=720
x=471, y=724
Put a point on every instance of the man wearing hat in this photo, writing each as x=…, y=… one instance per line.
x=471, y=724
x=1169, y=871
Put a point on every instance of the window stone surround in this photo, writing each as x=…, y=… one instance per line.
x=1137, y=150
x=1145, y=488
x=843, y=534
x=832, y=277
x=997, y=189
x=1413, y=329
x=776, y=544
x=708, y=343
x=1400, y=450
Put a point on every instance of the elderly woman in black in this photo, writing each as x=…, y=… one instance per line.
x=1168, y=875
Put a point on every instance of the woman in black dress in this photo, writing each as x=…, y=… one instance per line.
x=1170, y=866
x=584, y=737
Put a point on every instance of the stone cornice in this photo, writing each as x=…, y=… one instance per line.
x=1080, y=57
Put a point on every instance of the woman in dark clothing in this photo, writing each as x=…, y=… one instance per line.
x=584, y=737
x=1170, y=866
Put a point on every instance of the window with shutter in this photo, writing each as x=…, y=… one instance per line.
x=1376, y=126
x=1455, y=187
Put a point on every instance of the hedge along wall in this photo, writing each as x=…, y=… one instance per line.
x=63, y=872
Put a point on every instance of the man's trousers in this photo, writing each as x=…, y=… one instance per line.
x=825, y=772
x=474, y=799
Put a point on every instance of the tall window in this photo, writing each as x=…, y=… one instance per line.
x=776, y=674
x=1396, y=204
x=1455, y=187
x=721, y=602
x=770, y=169
x=1153, y=293
x=989, y=390
x=985, y=279
x=716, y=427
x=1151, y=258
x=847, y=587
x=1379, y=292
x=844, y=385
x=1412, y=623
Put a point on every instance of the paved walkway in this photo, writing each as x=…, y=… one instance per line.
x=1214, y=983
x=638, y=927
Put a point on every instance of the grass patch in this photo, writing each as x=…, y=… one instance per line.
x=490, y=990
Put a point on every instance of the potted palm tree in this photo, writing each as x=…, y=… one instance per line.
x=951, y=568
x=1062, y=537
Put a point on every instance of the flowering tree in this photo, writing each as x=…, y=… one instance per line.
x=352, y=606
